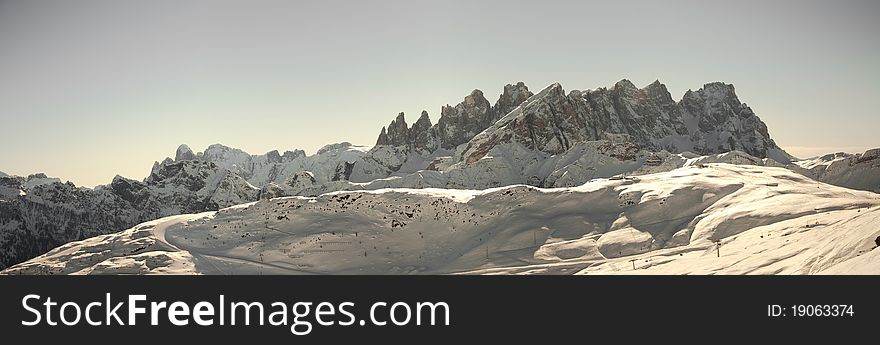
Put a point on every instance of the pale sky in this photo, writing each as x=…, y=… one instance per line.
x=91, y=89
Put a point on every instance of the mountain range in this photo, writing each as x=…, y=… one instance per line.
x=548, y=139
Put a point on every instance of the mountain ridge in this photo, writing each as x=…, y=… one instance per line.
x=549, y=139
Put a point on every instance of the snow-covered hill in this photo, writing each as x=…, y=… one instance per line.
x=768, y=220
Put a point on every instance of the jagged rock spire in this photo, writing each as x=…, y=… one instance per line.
x=457, y=124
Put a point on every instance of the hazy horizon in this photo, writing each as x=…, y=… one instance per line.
x=93, y=89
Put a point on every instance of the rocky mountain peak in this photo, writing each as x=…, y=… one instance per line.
x=383, y=137
x=397, y=133
x=422, y=135
x=476, y=97
x=718, y=87
x=723, y=123
x=658, y=92
x=457, y=124
x=512, y=97
x=624, y=84
x=184, y=153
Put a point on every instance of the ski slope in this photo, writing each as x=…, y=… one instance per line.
x=767, y=220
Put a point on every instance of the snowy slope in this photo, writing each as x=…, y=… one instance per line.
x=859, y=171
x=769, y=220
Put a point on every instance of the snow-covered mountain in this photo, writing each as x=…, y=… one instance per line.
x=857, y=171
x=549, y=139
x=704, y=219
x=38, y=213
